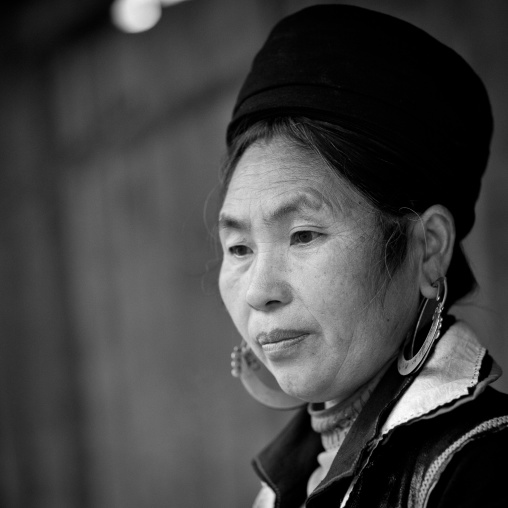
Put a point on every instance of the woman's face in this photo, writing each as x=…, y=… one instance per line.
x=300, y=274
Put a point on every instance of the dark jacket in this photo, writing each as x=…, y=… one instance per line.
x=436, y=440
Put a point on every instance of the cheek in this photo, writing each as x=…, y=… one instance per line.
x=336, y=282
x=230, y=291
x=225, y=286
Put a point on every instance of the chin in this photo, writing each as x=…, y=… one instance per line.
x=306, y=388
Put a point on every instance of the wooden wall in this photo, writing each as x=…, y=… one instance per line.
x=114, y=362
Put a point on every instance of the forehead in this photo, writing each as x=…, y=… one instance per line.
x=274, y=171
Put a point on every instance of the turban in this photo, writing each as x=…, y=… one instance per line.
x=382, y=76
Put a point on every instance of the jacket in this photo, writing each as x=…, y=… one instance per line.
x=438, y=439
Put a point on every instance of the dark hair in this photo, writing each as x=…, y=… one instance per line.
x=348, y=152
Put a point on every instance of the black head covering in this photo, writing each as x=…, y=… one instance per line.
x=379, y=75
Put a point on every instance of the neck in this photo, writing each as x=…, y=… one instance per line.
x=334, y=418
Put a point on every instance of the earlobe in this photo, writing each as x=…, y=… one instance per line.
x=436, y=236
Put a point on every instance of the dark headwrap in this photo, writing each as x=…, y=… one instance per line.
x=375, y=74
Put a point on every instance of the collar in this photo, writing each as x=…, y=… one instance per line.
x=450, y=377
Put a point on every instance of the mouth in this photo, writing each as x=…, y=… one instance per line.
x=279, y=339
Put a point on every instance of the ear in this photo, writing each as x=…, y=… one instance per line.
x=435, y=236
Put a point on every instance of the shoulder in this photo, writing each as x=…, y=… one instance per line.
x=475, y=472
x=462, y=457
x=432, y=462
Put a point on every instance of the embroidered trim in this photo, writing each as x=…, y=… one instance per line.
x=437, y=467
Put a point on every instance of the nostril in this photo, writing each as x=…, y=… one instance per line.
x=261, y=304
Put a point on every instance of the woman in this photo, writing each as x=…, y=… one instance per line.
x=355, y=154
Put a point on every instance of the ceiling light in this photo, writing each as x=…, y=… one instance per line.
x=135, y=16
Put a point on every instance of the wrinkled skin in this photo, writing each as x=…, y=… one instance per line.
x=302, y=274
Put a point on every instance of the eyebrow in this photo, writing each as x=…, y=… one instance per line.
x=229, y=222
x=293, y=205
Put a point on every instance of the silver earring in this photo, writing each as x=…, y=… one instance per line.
x=415, y=361
x=246, y=366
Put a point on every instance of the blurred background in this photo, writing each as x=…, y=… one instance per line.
x=115, y=387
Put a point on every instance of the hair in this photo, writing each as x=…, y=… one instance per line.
x=347, y=153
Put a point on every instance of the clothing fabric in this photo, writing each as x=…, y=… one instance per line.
x=435, y=440
x=380, y=76
x=333, y=422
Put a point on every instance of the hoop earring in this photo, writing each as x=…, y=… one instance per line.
x=416, y=361
x=246, y=366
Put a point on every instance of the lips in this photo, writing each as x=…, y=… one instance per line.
x=278, y=335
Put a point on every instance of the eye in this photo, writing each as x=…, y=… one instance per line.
x=303, y=237
x=239, y=251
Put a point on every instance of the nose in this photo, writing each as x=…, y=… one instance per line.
x=268, y=286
